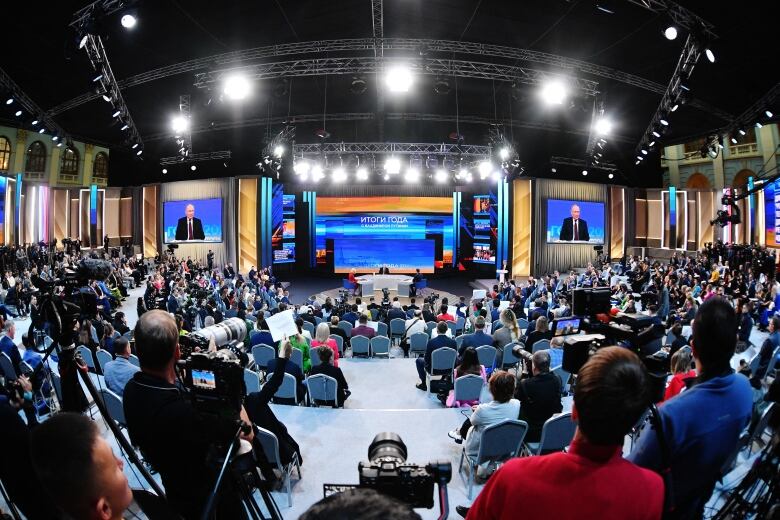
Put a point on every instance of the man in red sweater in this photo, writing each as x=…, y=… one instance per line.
x=592, y=480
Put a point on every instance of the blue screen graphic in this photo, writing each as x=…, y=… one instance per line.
x=371, y=254
x=208, y=211
x=591, y=218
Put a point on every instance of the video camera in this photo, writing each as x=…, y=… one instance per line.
x=215, y=381
x=431, y=299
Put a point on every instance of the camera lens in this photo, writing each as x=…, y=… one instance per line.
x=387, y=445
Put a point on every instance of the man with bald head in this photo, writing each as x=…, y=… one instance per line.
x=574, y=228
x=189, y=227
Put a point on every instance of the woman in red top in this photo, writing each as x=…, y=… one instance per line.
x=322, y=339
x=681, y=368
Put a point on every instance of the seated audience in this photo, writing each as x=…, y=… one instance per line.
x=323, y=339
x=682, y=373
x=424, y=363
x=541, y=331
x=477, y=338
x=299, y=341
x=119, y=371
x=508, y=333
x=395, y=312
x=291, y=368
x=327, y=368
x=539, y=395
x=363, y=329
x=335, y=330
x=469, y=365
x=413, y=325
x=444, y=315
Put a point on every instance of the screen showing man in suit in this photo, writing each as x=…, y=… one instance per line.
x=575, y=221
x=192, y=220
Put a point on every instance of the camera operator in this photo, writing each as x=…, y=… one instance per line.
x=173, y=436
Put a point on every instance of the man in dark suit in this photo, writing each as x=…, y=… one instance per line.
x=417, y=278
x=384, y=270
x=294, y=370
x=395, y=312
x=228, y=272
x=189, y=227
x=424, y=363
x=327, y=368
x=574, y=228
x=539, y=396
x=477, y=339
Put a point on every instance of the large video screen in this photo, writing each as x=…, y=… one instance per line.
x=484, y=254
x=571, y=221
x=192, y=220
x=377, y=222
x=369, y=254
x=772, y=214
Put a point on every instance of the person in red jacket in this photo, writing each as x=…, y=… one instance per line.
x=591, y=480
x=681, y=368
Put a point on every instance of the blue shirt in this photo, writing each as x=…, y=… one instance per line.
x=556, y=357
x=8, y=346
x=476, y=340
x=32, y=358
x=117, y=373
x=701, y=426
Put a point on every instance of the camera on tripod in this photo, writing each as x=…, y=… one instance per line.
x=431, y=299
x=216, y=383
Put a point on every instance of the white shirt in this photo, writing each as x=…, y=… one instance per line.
x=412, y=327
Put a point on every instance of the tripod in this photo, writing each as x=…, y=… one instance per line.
x=244, y=477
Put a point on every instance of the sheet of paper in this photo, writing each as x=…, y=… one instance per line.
x=452, y=311
x=282, y=324
x=504, y=304
x=374, y=325
x=478, y=294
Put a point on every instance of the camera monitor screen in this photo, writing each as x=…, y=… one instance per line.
x=192, y=221
x=567, y=326
x=572, y=221
x=204, y=379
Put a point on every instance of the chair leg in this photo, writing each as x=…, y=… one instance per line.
x=472, y=470
x=287, y=472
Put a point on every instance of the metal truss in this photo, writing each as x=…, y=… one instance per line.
x=378, y=26
x=680, y=15
x=184, y=140
x=598, y=112
x=195, y=157
x=7, y=83
x=465, y=150
x=582, y=163
x=755, y=111
x=362, y=65
x=100, y=8
x=97, y=57
x=285, y=136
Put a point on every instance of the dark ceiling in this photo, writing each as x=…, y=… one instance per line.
x=45, y=63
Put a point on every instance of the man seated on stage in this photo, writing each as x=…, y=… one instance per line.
x=415, y=280
x=363, y=329
x=573, y=227
x=384, y=269
x=424, y=363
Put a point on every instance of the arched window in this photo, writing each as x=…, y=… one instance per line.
x=70, y=162
x=5, y=154
x=698, y=180
x=100, y=167
x=36, y=158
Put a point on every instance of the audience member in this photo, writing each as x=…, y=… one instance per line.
x=323, y=339
x=363, y=329
x=469, y=365
x=539, y=395
x=424, y=363
x=292, y=368
x=327, y=368
x=362, y=504
x=541, y=331
x=119, y=371
x=477, y=338
x=682, y=373
x=444, y=314
x=335, y=330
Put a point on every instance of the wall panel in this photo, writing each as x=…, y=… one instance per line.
x=247, y=224
x=617, y=226
x=522, y=227
x=150, y=223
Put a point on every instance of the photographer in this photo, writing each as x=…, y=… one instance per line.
x=173, y=436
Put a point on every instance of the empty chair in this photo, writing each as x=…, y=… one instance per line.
x=7, y=367
x=262, y=354
x=382, y=329
x=288, y=391
x=114, y=406
x=468, y=388
x=374, y=314
x=754, y=362
x=487, y=355
x=453, y=328
x=86, y=355
x=339, y=343
x=761, y=425
x=522, y=323
x=542, y=344
x=297, y=357
x=270, y=444
x=251, y=380
x=508, y=358
x=459, y=340
x=460, y=324
x=360, y=346
x=397, y=328
x=134, y=360
x=429, y=326
x=564, y=377
x=103, y=357
x=323, y=390
x=442, y=362
x=499, y=442
x=557, y=434
x=308, y=326
x=419, y=286
x=380, y=346
x=418, y=343
x=346, y=327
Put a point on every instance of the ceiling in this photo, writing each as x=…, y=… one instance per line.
x=46, y=64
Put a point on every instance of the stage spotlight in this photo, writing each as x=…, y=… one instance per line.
x=652, y=143
x=759, y=125
x=670, y=32
x=601, y=145
x=496, y=176
x=554, y=170
x=603, y=126
x=193, y=167
x=468, y=177
x=18, y=113
x=180, y=124
x=83, y=41
x=128, y=21
x=392, y=166
x=362, y=174
x=644, y=152
x=358, y=85
x=484, y=168
x=164, y=170
x=317, y=173
x=387, y=177
x=585, y=172
x=639, y=157
x=441, y=176
x=769, y=114
x=733, y=140
x=54, y=137
x=656, y=134
x=236, y=87
x=674, y=107
x=278, y=151
x=710, y=55
x=442, y=86
x=553, y=93
x=42, y=130
x=664, y=122
x=339, y=175
x=139, y=152
x=636, y=162
x=135, y=145
x=301, y=167
x=504, y=153
x=59, y=145
x=741, y=131
x=34, y=122
x=463, y=173
x=611, y=176
x=412, y=175
x=117, y=113
x=9, y=101
x=125, y=126
x=106, y=98
x=97, y=78
x=399, y=79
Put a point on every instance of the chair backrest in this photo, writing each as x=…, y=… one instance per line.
x=270, y=445
x=509, y=359
x=86, y=355
x=397, y=326
x=339, y=342
x=563, y=376
x=762, y=423
x=772, y=362
x=496, y=325
x=382, y=329
x=359, y=345
x=317, y=320
x=670, y=337
x=429, y=326
x=380, y=345
x=103, y=357
x=487, y=355
x=114, y=405
x=460, y=323
x=308, y=326
x=297, y=357
x=288, y=389
x=314, y=356
x=374, y=314
x=7, y=366
x=453, y=328
x=557, y=433
x=251, y=380
x=346, y=327
x=542, y=344
x=418, y=342
x=459, y=340
x=322, y=388
x=468, y=388
x=443, y=359
x=754, y=362
x=422, y=284
x=522, y=323
x=501, y=441
x=262, y=354
x=346, y=284
x=134, y=360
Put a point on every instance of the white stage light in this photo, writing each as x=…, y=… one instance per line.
x=278, y=151
x=441, y=176
x=164, y=170
x=180, y=124
x=644, y=152
x=54, y=138
x=387, y=177
x=742, y=131
x=468, y=177
x=554, y=170
x=135, y=145
x=117, y=113
x=674, y=107
x=496, y=176
x=106, y=98
x=670, y=32
x=603, y=126
x=59, y=145
x=412, y=175
x=611, y=176
x=392, y=165
x=83, y=41
x=585, y=172
x=768, y=113
x=652, y=143
x=139, y=152
x=9, y=101
x=34, y=122
x=484, y=168
x=504, y=154
x=339, y=175
x=301, y=167
x=18, y=113
x=553, y=92
x=640, y=158
x=733, y=140
x=193, y=167
x=128, y=21
x=399, y=79
x=362, y=174
x=710, y=55
x=759, y=125
x=42, y=130
x=236, y=87
x=316, y=173
x=125, y=127
x=664, y=122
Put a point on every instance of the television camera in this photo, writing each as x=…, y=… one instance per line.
x=431, y=299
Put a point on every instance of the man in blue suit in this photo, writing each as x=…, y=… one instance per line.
x=477, y=339
x=440, y=341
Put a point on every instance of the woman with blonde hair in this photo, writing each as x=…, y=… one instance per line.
x=322, y=339
x=509, y=331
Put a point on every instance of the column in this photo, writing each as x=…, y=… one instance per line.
x=674, y=154
x=20, y=151
x=89, y=159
